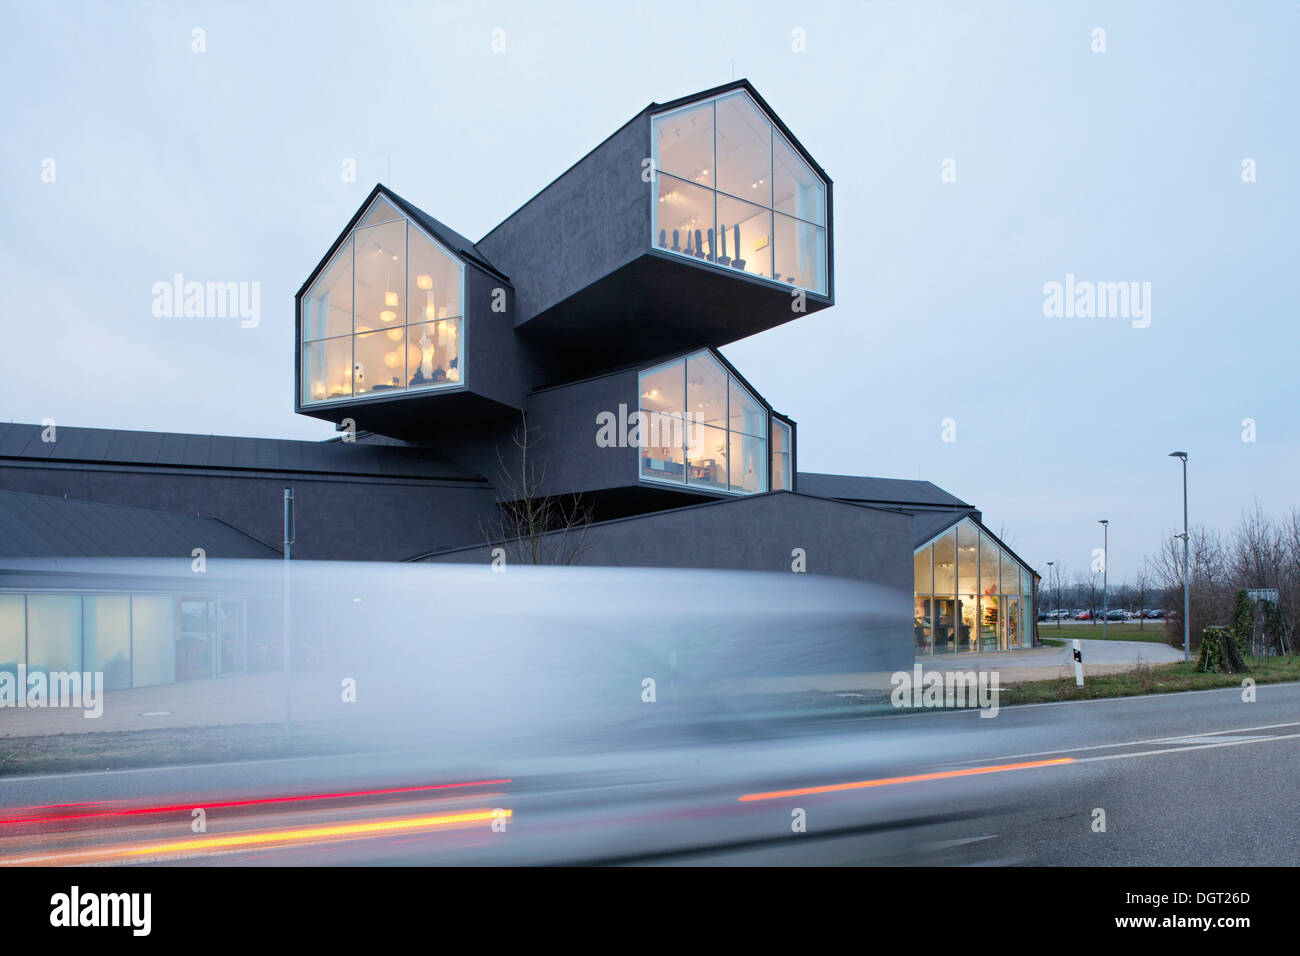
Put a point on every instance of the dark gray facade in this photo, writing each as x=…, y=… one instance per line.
x=780, y=531
x=559, y=318
x=354, y=501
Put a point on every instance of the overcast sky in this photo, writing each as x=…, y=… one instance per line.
x=1122, y=165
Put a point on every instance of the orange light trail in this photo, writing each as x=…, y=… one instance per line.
x=890, y=781
x=320, y=833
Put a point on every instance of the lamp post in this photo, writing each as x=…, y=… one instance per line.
x=289, y=538
x=1187, y=623
x=1105, y=557
x=1057, y=601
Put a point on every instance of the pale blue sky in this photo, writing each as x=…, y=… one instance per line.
x=1123, y=165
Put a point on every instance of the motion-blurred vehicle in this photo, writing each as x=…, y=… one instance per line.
x=1083, y=615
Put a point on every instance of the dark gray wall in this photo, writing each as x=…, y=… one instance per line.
x=338, y=517
x=758, y=533
x=565, y=419
x=590, y=221
x=493, y=362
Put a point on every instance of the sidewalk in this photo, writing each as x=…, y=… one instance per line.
x=1012, y=667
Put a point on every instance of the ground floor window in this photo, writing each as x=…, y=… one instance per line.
x=971, y=595
x=134, y=640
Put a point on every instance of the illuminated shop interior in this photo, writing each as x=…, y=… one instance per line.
x=700, y=426
x=386, y=314
x=971, y=594
x=734, y=193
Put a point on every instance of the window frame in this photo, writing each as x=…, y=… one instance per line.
x=717, y=191
x=732, y=379
x=349, y=241
x=1000, y=597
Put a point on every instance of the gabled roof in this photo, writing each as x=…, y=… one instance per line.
x=446, y=235
x=744, y=84
x=98, y=446
x=927, y=526
x=653, y=108
x=457, y=244
x=931, y=524
x=888, y=491
x=38, y=526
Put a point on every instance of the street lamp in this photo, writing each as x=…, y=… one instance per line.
x=1187, y=623
x=1105, y=557
x=1057, y=599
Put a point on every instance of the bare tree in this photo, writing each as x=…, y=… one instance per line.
x=1091, y=588
x=1142, y=588
x=1210, y=585
x=1256, y=555
x=530, y=526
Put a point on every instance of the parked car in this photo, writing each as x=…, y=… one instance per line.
x=1115, y=614
x=1083, y=615
x=1156, y=615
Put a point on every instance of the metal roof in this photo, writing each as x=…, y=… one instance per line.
x=39, y=526
x=895, y=491
x=171, y=449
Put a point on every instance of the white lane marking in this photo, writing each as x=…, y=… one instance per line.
x=1134, y=698
x=1153, y=740
x=1174, y=750
x=949, y=844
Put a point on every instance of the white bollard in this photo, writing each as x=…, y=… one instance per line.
x=1078, y=663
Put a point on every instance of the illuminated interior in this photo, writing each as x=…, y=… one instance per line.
x=970, y=594
x=782, y=449
x=733, y=192
x=385, y=315
x=701, y=427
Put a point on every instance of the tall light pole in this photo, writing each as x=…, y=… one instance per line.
x=1187, y=623
x=1057, y=610
x=289, y=537
x=1105, y=558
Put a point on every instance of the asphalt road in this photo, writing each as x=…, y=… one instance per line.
x=1183, y=780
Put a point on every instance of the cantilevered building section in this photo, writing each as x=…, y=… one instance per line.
x=593, y=316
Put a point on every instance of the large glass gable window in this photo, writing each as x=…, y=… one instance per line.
x=385, y=316
x=733, y=192
x=971, y=594
x=700, y=426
